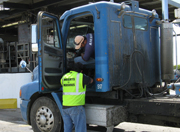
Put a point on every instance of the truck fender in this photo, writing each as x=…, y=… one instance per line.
x=29, y=89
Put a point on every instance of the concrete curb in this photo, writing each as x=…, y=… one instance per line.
x=8, y=103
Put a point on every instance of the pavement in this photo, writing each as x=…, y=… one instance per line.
x=11, y=121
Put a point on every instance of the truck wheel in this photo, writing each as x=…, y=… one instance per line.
x=45, y=116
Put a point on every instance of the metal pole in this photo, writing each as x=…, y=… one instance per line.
x=9, y=57
x=176, y=49
x=165, y=15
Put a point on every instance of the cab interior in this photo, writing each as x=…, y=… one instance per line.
x=79, y=26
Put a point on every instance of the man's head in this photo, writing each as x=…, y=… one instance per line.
x=78, y=67
x=80, y=41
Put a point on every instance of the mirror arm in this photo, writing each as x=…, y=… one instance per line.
x=29, y=70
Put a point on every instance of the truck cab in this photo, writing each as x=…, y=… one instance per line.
x=127, y=58
x=121, y=40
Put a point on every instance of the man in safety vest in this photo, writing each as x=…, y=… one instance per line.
x=74, y=88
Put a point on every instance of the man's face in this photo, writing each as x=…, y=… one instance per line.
x=83, y=43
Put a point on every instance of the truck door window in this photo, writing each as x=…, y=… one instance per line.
x=139, y=23
x=49, y=32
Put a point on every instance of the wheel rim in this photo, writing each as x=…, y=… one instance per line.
x=44, y=119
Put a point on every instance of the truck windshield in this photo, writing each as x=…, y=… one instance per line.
x=139, y=23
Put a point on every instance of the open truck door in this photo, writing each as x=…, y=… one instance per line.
x=50, y=52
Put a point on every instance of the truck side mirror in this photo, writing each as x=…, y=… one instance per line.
x=23, y=64
x=34, y=37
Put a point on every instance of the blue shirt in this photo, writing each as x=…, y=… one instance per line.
x=89, y=48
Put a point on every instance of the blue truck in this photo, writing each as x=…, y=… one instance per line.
x=130, y=66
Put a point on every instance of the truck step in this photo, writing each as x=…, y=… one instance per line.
x=105, y=115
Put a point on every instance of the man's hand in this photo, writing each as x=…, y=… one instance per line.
x=82, y=54
x=91, y=80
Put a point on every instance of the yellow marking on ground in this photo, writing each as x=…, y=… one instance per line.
x=24, y=125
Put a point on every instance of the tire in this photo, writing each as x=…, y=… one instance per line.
x=45, y=116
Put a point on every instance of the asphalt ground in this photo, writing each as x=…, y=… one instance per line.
x=11, y=121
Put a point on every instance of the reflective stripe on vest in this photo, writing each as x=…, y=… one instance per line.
x=77, y=88
x=69, y=93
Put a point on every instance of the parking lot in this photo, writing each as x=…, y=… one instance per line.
x=11, y=121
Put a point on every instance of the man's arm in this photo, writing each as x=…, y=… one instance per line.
x=87, y=54
x=89, y=48
x=87, y=80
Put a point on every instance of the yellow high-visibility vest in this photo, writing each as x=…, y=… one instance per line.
x=73, y=91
